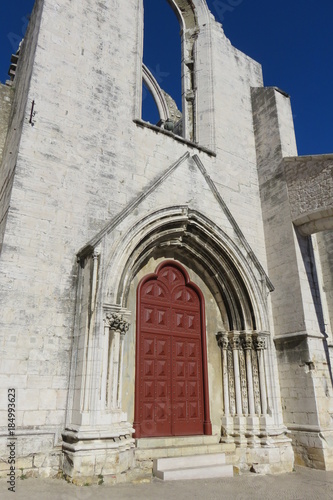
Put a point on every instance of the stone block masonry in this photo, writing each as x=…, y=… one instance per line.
x=6, y=97
x=310, y=190
x=93, y=200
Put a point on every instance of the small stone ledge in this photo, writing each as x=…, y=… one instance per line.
x=292, y=337
x=191, y=144
x=305, y=428
x=280, y=91
x=290, y=159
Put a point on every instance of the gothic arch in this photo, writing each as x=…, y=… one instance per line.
x=191, y=13
x=210, y=251
x=194, y=17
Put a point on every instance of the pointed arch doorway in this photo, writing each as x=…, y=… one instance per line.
x=171, y=386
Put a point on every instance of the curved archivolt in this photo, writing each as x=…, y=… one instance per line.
x=212, y=255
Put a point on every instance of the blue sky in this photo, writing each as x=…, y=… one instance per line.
x=292, y=39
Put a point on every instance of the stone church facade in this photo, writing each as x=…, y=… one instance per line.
x=165, y=290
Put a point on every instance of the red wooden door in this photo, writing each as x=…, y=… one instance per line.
x=169, y=371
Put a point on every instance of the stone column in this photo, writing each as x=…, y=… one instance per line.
x=96, y=254
x=104, y=383
x=248, y=346
x=243, y=378
x=113, y=374
x=124, y=326
x=223, y=343
x=235, y=344
x=256, y=382
x=103, y=438
x=260, y=345
x=117, y=329
x=91, y=355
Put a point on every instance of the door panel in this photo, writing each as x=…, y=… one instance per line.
x=169, y=396
x=155, y=392
x=187, y=384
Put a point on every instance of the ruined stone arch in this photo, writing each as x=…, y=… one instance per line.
x=191, y=13
x=192, y=16
x=150, y=81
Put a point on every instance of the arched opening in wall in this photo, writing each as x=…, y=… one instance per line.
x=150, y=112
x=234, y=306
x=162, y=57
x=209, y=252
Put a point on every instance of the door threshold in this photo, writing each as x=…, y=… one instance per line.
x=165, y=442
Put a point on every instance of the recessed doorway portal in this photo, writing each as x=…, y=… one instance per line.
x=171, y=389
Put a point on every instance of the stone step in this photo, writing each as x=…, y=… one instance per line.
x=196, y=473
x=179, y=451
x=165, y=442
x=189, y=461
x=192, y=467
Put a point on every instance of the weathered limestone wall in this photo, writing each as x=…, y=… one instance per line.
x=323, y=243
x=305, y=378
x=80, y=163
x=310, y=189
x=17, y=116
x=275, y=139
x=235, y=171
x=5, y=107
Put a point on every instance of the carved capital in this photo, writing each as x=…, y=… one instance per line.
x=235, y=341
x=248, y=343
x=117, y=323
x=222, y=340
x=260, y=343
x=97, y=252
